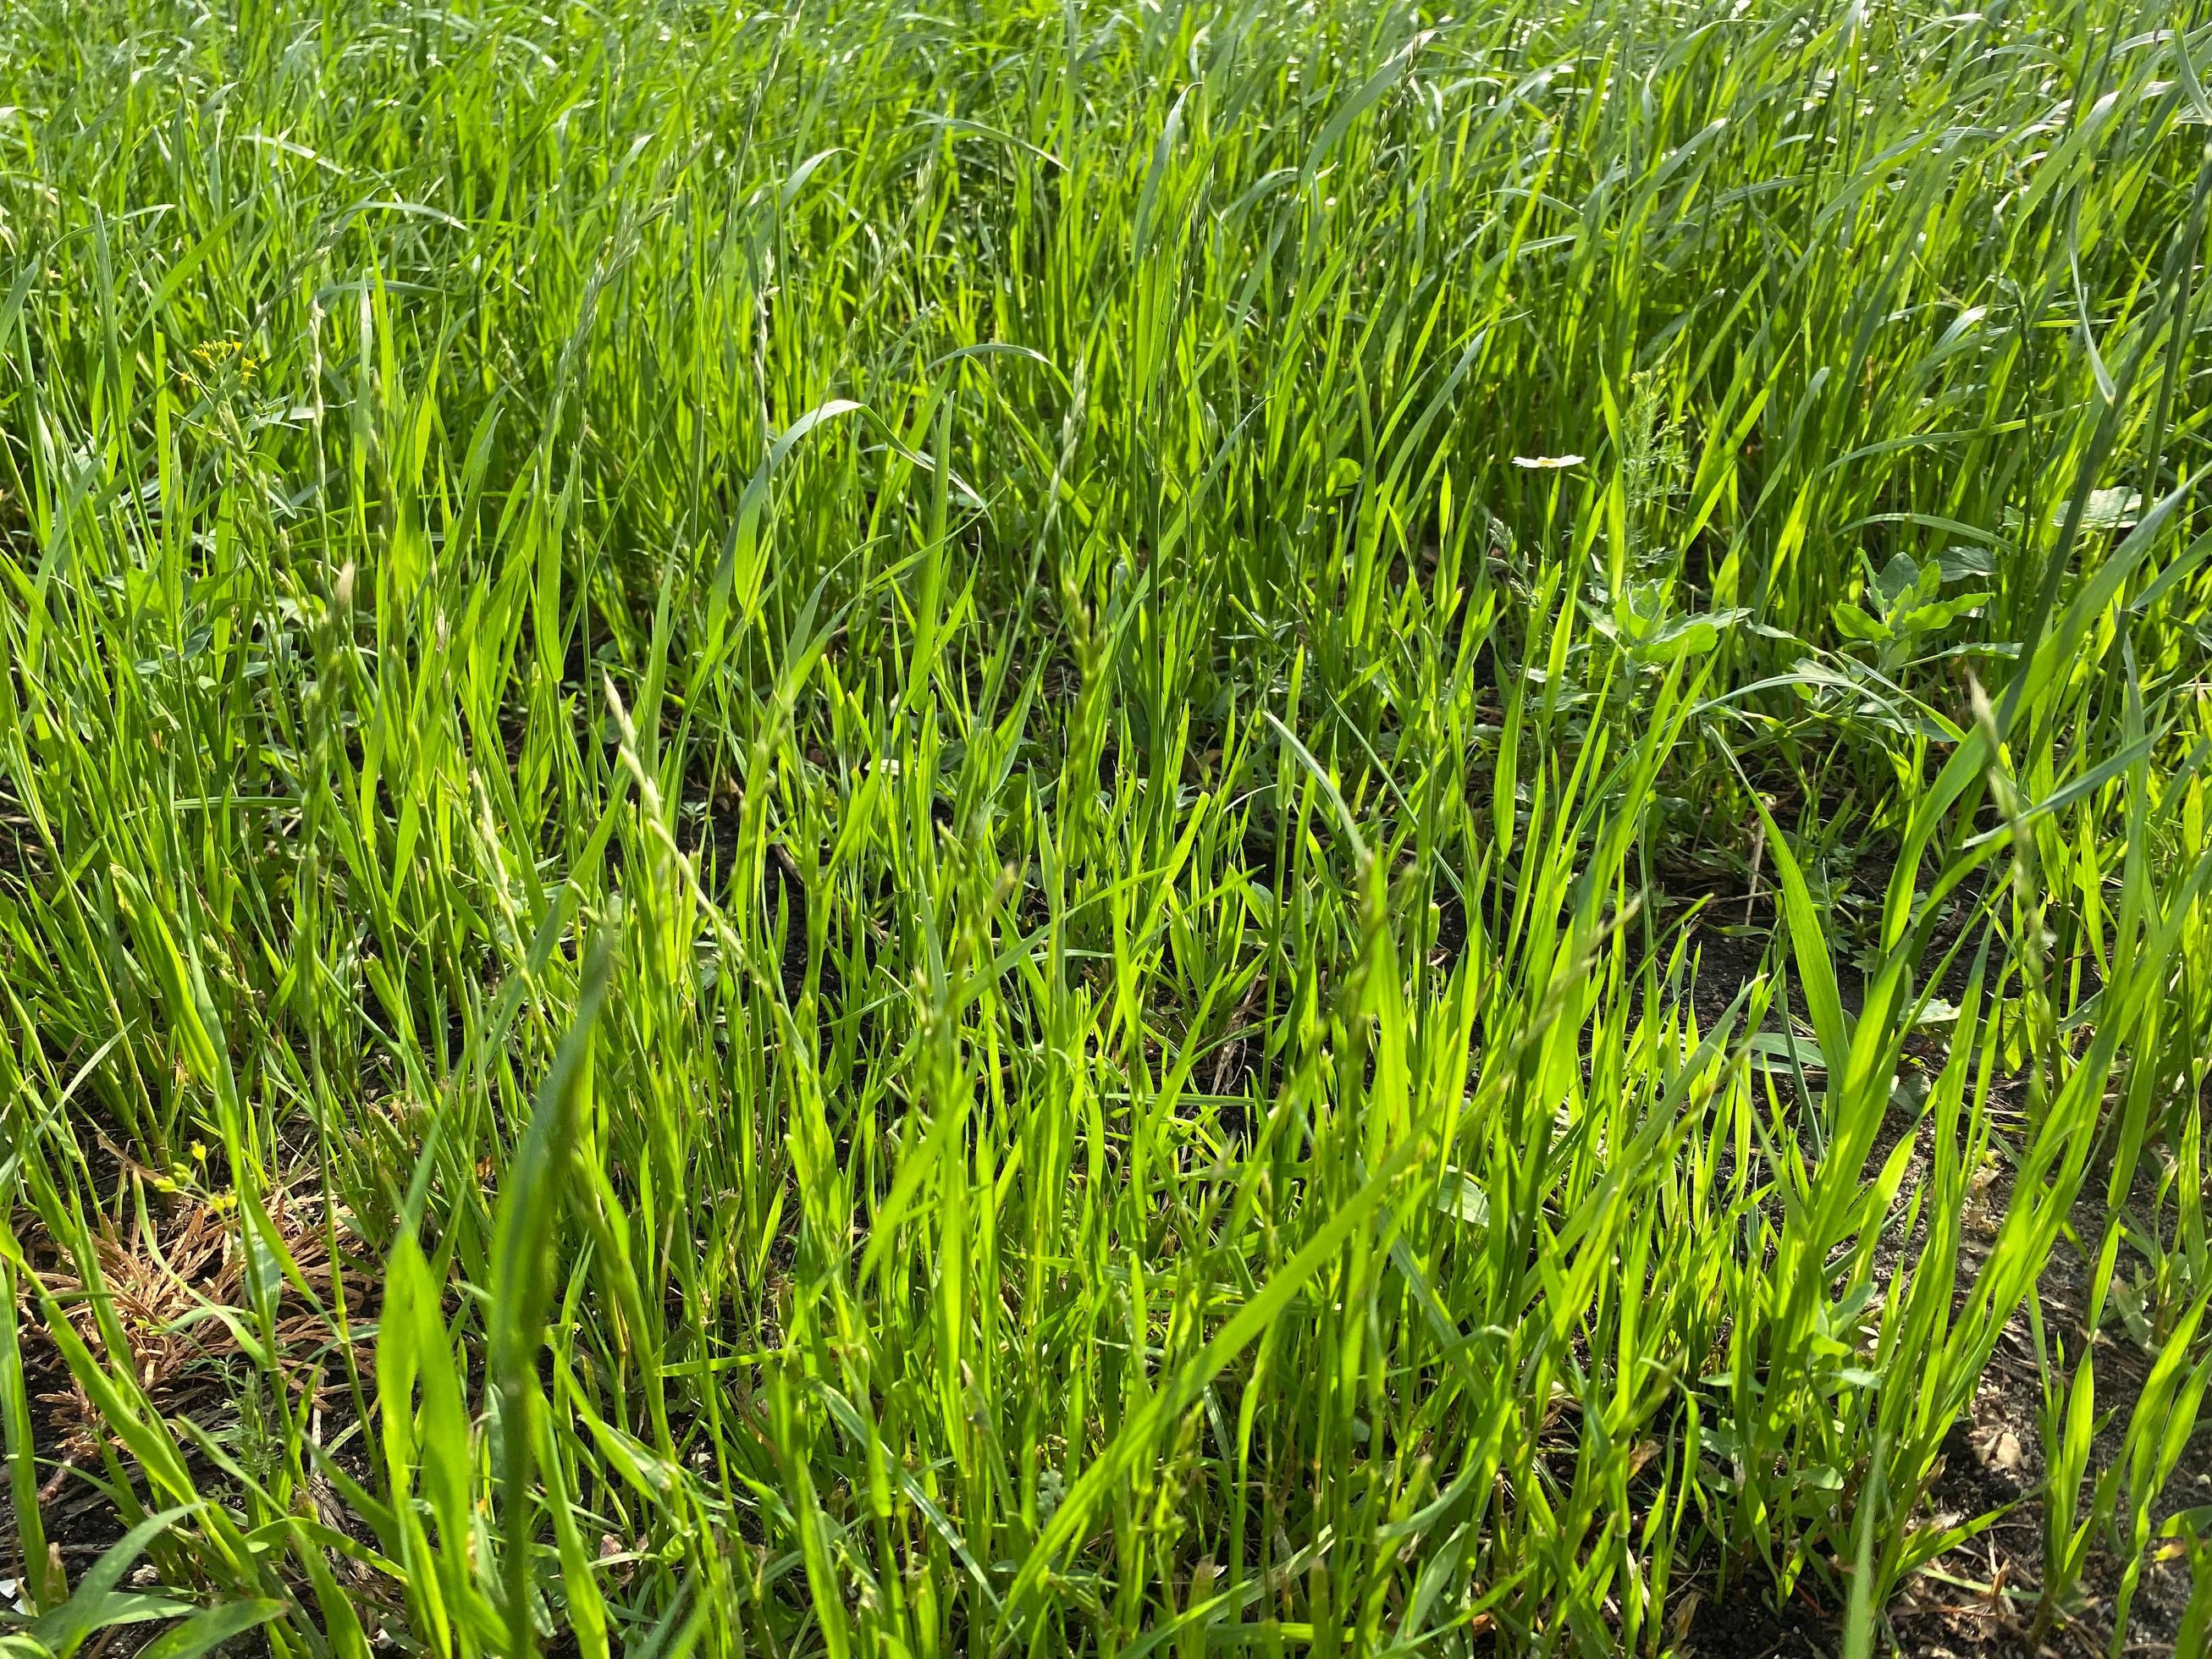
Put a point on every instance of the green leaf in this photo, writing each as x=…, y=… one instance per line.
x=1855, y=624
x=1773, y=1051
x=1898, y=578
x=207, y=1630
x=2117, y=508
x=1808, y=944
x=524, y=1262
x=1964, y=559
x=96, y=1604
x=1935, y=616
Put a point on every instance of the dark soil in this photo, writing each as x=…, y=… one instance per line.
x=1747, y=1621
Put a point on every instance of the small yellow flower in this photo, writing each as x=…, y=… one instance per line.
x=213, y=354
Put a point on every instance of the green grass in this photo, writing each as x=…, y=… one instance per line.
x=814, y=843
